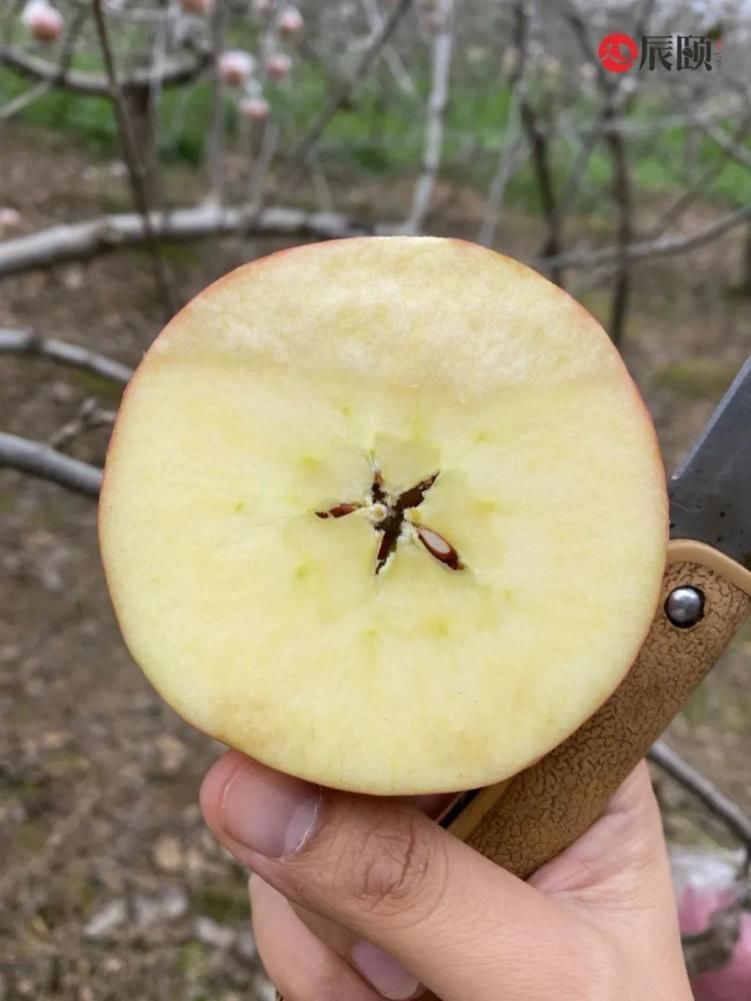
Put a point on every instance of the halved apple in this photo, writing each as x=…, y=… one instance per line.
x=384, y=513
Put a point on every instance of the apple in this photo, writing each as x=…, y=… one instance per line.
x=291, y=21
x=42, y=20
x=278, y=65
x=386, y=513
x=235, y=67
x=731, y=982
x=255, y=108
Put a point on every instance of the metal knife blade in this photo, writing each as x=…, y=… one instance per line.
x=710, y=492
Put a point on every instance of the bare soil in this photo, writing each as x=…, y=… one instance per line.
x=110, y=886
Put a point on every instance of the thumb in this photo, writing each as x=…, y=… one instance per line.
x=386, y=872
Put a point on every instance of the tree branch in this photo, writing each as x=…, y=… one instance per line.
x=622, y=194
x=174, y=74
x=662, y=247
x=217, y=122
x=436, y=111
x=136, y=168
x=90, y=416
x=698, y=785
x=538, y=138
x=28, y=342
x=77, y=241
x=343, y=94
x=46, y=463
x=728, y=144
x=511, y=143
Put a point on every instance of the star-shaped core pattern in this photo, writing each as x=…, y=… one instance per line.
x=389, y=516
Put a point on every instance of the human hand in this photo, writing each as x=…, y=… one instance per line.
x=357, y=898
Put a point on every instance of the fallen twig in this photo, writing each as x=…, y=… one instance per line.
x=40, y=460
x=30, y=343
x=77, y=241
x=716, y=802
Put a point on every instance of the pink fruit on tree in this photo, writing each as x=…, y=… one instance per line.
x=10, y=218
x=291, y=22
x=197, y=6
x=235, y=67
x=278, y=65
x=732, y=981
x=42, y=20
x=255, y=108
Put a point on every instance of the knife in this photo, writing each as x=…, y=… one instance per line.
x=526, y=820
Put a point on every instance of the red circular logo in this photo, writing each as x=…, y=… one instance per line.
x=618, y=52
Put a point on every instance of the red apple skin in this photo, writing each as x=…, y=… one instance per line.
x=731, y=982
x=467, y=246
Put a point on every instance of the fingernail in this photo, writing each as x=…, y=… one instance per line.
x=268, y=812
x=385, y=973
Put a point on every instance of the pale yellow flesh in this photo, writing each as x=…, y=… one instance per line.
x=268, y=398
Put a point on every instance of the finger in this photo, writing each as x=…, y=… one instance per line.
x=301, y=967
x=383, y=971
x=389, y=977
x=387, y=873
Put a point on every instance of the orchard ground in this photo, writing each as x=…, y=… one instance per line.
x=111, y=887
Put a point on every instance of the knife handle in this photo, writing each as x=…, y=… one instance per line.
x=529, y=819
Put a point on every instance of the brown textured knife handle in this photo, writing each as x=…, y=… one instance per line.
x=527, y=820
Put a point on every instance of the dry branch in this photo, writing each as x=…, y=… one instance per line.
x=174, y=73
x=41, y=87
x=622, y=193
x=391, y=57
x=539, y=138
x=77, y=241
x=30, y=343
x=40, y=460
x=133, y=160
x=90, y=416
x=217, y=122
x=733, y=147
x=716, y=802
x=343, y=93
x=663, y=247
x=512, y=143
x=436, y=112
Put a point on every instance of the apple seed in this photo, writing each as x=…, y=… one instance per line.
x=387, y=515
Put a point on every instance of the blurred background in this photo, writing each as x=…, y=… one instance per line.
x=148, y=146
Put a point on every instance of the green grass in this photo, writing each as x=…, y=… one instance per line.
x=220, y=902
x=697, y=378
x=381, y=134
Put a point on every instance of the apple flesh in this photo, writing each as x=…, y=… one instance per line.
x=384, y=513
